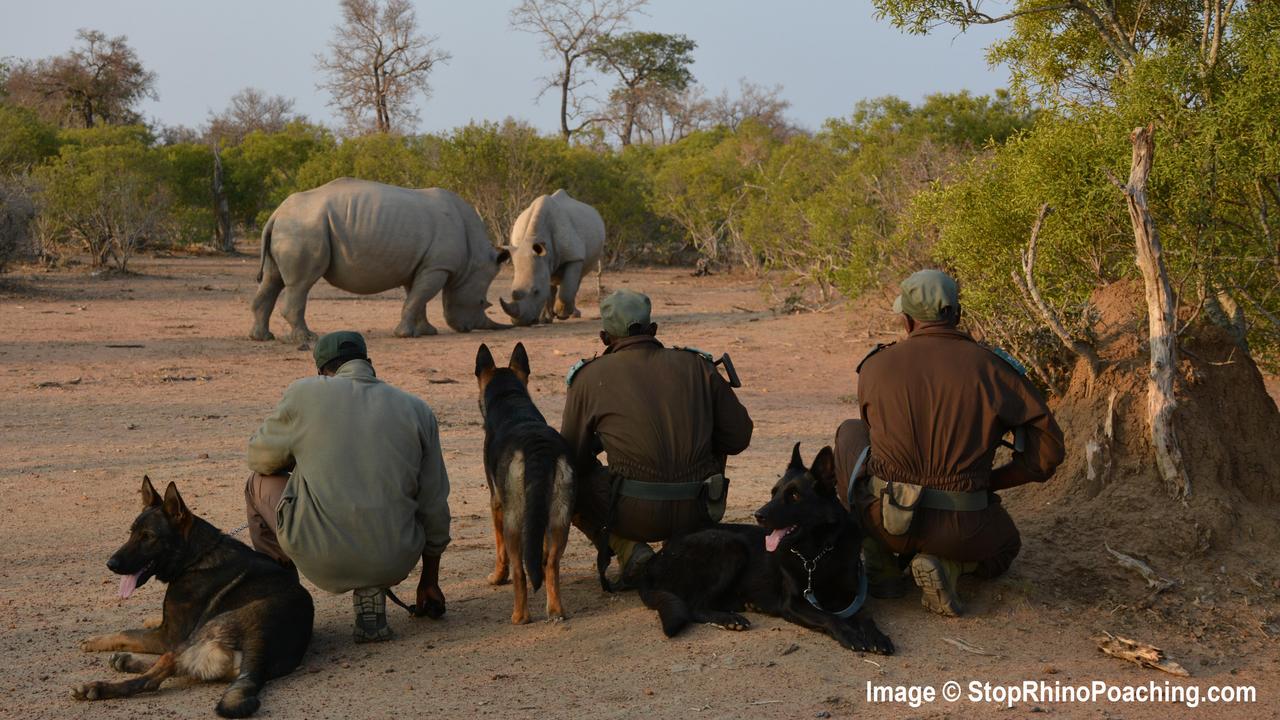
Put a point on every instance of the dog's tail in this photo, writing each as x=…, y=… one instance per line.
x=541, y=464
x=672, y=610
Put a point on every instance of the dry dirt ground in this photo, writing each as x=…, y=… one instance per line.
x=153, y=374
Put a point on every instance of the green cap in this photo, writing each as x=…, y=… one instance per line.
x=343, y=343
x=925, y=294
x=622, y=309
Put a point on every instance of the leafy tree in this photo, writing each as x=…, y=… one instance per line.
x=107, y=198
x=100, y=82
x=265, y=167
x=25, y=140
x=649, y=66
x=569, y=30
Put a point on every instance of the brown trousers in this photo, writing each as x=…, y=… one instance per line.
x=261, y=498
x=986, y=537
x=633, y=519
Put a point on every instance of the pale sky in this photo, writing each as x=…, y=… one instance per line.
x=827, y=54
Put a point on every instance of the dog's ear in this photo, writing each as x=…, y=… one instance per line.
x=150, y=498
x=796, y=462
x=484, y=360
x=824, y=469
x=520, y=362
x=176, y=509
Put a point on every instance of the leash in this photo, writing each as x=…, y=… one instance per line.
x=238, y=530
x=858, y=600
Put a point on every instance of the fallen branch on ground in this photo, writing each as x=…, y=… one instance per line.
x=1155, y=580
x=1140, y=653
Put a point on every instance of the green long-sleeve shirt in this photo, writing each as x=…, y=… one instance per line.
x=369, y=493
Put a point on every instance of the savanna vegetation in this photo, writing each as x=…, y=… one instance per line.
x=954, y=180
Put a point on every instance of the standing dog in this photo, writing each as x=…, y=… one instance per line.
x=802, y=563
x=230, y=612
x=530, y=480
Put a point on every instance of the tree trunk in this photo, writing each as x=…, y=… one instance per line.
x=1161, y=317
x=222, y=237
x=565, y=81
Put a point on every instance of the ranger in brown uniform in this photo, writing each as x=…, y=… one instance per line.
x=935, y=407
x=666, y=421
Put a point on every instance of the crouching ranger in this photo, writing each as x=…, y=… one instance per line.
x=935, y=407
x=666, y=420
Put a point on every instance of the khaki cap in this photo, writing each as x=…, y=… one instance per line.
x=343, y=343
x=622, y=309
x=925, y=294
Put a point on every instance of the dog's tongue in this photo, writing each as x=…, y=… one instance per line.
x=772, y=539
x=129, y=583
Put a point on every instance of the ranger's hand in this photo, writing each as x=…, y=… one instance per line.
x=430, y=601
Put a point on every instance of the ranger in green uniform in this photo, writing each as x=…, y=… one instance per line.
x=935, y=406
x=366, y=493
x=666, y=421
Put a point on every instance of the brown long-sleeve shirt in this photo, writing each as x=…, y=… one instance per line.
x=937, y=404
x=661, y=415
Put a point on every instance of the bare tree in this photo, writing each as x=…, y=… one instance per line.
x=377, y=63
x=251, y=109
x=763, y=104
x=100, y=82
x=569, y=30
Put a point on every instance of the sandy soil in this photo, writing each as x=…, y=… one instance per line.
x=156, y=376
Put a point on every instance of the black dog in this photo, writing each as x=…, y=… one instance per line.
x=802, y=563
x=230, y=612
x=530, y=480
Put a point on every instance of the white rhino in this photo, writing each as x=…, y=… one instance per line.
x=552, y=242
x=365, y=237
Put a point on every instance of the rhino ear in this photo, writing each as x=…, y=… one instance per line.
x=539, y=249
x=484, y=360
x=504, y=255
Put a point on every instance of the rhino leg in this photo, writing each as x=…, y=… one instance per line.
x=567, y=293
x=265, y=301
x=294, y=311
x=426, y=284
x=548, y=312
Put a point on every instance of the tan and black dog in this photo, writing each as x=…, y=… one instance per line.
x=801, y=562
x=230, y=612
x=531, y=483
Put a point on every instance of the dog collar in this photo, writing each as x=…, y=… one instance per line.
x=858, y=600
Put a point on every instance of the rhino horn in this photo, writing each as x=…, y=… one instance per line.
x=509, y=308
x=489, y=324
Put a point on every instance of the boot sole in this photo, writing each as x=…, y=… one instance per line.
x=934, y=595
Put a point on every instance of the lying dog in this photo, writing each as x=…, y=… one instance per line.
x=802, y=563
x=230, y=612
x=530, y=480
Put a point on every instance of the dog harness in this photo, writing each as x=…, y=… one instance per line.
x=858, y=600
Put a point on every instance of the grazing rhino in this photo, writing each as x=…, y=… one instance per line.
x=365, y=237
x=552, y=242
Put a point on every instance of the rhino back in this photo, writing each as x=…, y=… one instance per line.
x=380, y=235
x=586, y=239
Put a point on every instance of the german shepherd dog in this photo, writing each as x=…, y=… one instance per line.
x=806, y=550
x=230, y=612
x=531, y=486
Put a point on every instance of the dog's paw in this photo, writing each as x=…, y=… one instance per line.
x=153, y=622
x=496, y=578
x=120, y=661
x=731, y=621
x=88, y=691
x=519, y=618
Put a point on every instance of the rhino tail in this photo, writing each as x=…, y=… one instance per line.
x=266, y=246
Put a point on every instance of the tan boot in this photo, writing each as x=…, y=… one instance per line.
x=370, y=605
x=937, y=580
